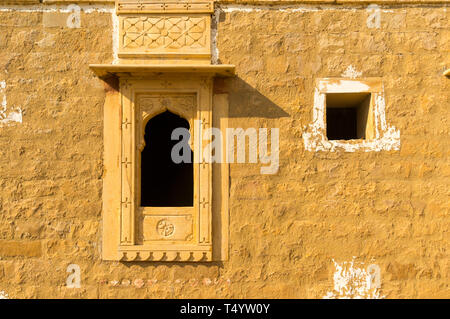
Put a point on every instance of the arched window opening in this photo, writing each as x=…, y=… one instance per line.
x=163, y=182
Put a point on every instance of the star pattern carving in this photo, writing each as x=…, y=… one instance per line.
x=164, y=32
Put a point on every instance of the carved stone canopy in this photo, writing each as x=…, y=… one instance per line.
x=164, y=37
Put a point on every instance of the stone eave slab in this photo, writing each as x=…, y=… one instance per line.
x=107, y=70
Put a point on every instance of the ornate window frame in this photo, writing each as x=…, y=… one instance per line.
x=147, y=81
x=192, y=223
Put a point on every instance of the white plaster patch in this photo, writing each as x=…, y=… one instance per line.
x=115, y=37
x=387, y=137
x=344, y=86
x=214, y=35
x=3, y=295
x=8, y=116
x=351, y=73
x=355, y=281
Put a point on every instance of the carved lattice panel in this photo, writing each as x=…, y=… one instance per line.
x=165, y=35
x=164, y=32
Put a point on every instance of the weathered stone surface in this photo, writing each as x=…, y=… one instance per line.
x=20, y=248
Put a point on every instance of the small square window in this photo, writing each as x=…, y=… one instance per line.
x=350, y=115
x=347, y=116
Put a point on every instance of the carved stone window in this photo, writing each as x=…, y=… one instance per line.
x=155, y=210
x=189, y=226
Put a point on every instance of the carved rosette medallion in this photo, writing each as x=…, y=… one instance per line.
x=165, y=228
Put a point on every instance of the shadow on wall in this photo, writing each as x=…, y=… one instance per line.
x=246, y=101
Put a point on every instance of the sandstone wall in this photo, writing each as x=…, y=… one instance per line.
x=388, y=208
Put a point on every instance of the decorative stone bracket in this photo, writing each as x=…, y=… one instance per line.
x=165, y=53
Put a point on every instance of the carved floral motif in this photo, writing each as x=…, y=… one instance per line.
x=178, y=103
x=164, y=32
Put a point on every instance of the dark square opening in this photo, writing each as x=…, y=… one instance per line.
x=347, y=115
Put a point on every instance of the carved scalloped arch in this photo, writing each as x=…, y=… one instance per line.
x=185, y=112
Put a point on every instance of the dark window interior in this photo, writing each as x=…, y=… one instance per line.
x=163, y=182
x=347, y=115
x=341, y=123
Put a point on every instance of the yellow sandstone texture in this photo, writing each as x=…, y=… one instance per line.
x=290, y=233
